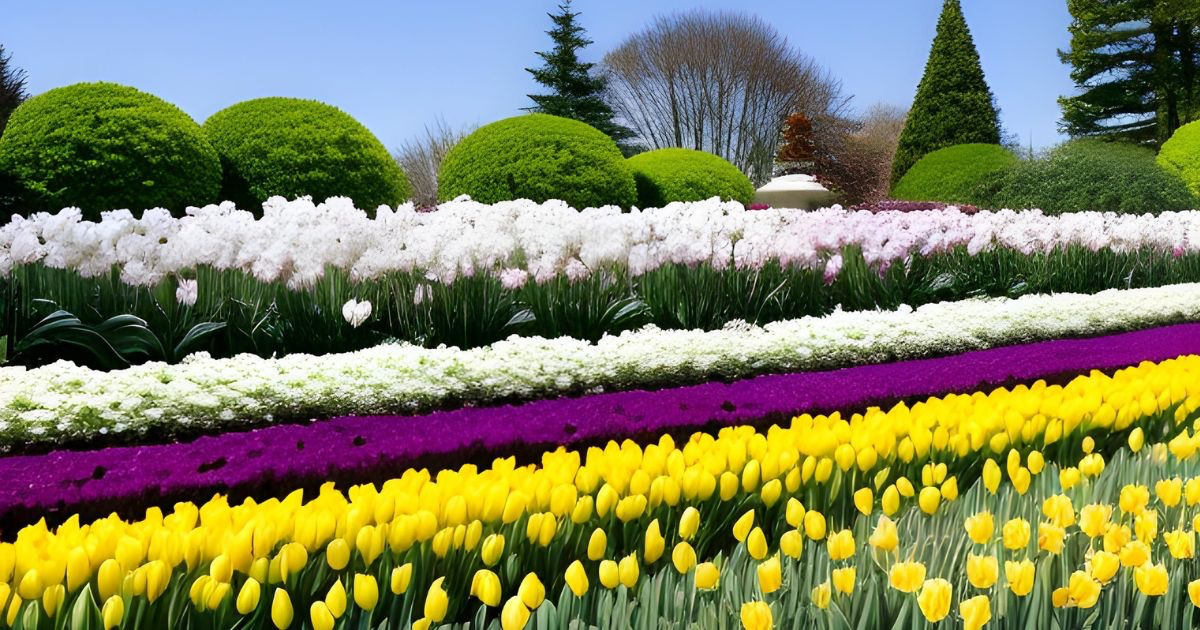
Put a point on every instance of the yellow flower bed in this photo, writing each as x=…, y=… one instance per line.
x=603, y=528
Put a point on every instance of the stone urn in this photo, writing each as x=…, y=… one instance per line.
x=794, y=191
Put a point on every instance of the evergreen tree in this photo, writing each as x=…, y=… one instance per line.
x=12, y=87
x=574, y=91
x=953, y=104
x=1135, y=65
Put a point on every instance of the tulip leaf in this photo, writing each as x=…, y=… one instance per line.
x=85, y=614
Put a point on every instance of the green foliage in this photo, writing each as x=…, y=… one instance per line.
x=101, y=146
x=538, y=157
x=1134, y=64
x=952, y=174
x=294, y=147
x=575, y=91
x=666, y=175
x=12, y=87
x=953, y=104
x=1088, y=175
x=1181, y=155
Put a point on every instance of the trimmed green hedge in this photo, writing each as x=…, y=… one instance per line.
x=294, y=147
x=1181, y=155
x=666, y=175
x=104, y=146
x=538, y=157
x=953, y=174
x=1088, y=175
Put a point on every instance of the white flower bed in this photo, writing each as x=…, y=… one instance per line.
x=295, y=241
x=62, y=399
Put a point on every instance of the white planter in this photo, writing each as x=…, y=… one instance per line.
x=794, y=191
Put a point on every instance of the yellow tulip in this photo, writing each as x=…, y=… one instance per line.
x=1089, y=444
x=890, y=502
x=322, y=618
x=1137, y=438
x=485, y=586
x=1021, y=478
x=221, y=569
x=707, y=576
x=79, y=568
x=1134, y=499
x=770, y=575
x=111, y=614
x=929, y=499
x=628, y=570
x=401, y=578
x=814, y=525
x=741, y=528
x=1060, y=597
x=14, y=606
x=1181, y=544
x=1104, y=565
x=934, y=600
x=982, y=571
x=792, y=544
x=1191, y=491
x=337, y=554
x=30, y=586
x=515, y=614
x=864, y=500
x=885, y=537
x=366, y=591
x=335, y=599
x=1020, y=576
x=492, y=549
x=950, y=489
x=436, y=601
x=1145, y=526
x=1083, y=591
x=683, y=557
x=1169, y=491
x=906, y=577
x=841, y=545
x=1134, y=554
x=1036, y=462
x=577, y=579
x=1116, y=538
x=821, y=594
x=843, y=580
x=1059, y=510
x=610, y=574
x=654, y=544
x=248, y=596
x=1051, y=538
x=52, y=599
x=1194, y=592
x=756, y=544
x=109, y=578
x=771, y=491
x=1151, y=580
x=597, y=544
x=980, y=527
x=689, y=522
x=281, y=609
x=1093, y=519
x=975, y=612
x=531, y=591
x=756, y=616
x=794, y=514
x=1068, y=477
x=905, y=487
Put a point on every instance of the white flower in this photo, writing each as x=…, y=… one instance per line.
x=356, y=312
x=513, y=279
x=187, y=292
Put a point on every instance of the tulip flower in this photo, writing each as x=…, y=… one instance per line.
x=906, y=577
x=1083, y=591
x=814, y=525
x=610, y=574
x=890, y=502
x=864, y=501
x=111, y=614
x=1059, y=510
x=492, y=549
x=436, y=601
x=577, y=579
x=756, y=616
x=401, y=578
x=756, y=544
x=929, y=499
x=934, y=599
x=1020, y=576
x=982, y=571
x=843, y=580
x=597, y=544
x=335, y=599
x=1051, y=538
x=514, y=615
x=821, y=594
x=628, y=570
x=792, y=544
x=741, y=528
x=248, y=596
x=980, y=527
x=683, y=557
x=1193, y=589
x=1151, y=580
x=1134, y=499
x=321, y=617
x=885, y=537
x=485, y=586
x=689, y=523
x=770, y=575
x=654, y=544
x=1134, y=554
x=707, y=576
x=337, y=554
x=841, y=545
x=975, y=612
x=281, y=609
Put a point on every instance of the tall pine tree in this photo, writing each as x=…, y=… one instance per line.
x=1135, y=65
x=12, y=87
x=574, y=91
x=953, y=104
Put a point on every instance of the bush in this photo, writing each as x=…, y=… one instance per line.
x=294, y=147
x=1088, y=175
x=538, y=157
x=1181, y=155
x=667, y=175
x=102, y=146
x=952, y=174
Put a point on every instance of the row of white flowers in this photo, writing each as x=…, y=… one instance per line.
x=295, y=241
x=63, y=399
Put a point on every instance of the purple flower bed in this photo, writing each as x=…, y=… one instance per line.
x=275, y=460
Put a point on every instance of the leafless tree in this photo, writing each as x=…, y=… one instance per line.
x=719, y=82
x=858, y=154
x=421, y=157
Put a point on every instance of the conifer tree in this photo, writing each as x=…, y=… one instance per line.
x=575, y=91
x=12, y=87
x=953, y=104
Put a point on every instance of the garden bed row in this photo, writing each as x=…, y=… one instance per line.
x=358, y=449
x=63, y=404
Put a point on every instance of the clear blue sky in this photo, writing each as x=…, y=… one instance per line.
x=396, y=65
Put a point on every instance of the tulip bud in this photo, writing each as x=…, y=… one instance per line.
x=485, y=586
x=515, y=614
x=689, y=523
x=531, y=591
x=335, y=599
x=436, y=601
x=401, y=577
x=577, y=579
x=112, y=613
x=770, y=575
x=654, y=544
x=683, y=557
x=247, y=599
x=281, y=609
x=707, y=576
x=610, y=575
x=322, y=618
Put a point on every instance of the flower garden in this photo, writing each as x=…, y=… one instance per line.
x=249, y=380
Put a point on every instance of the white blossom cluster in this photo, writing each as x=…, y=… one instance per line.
x=65, y=400
x=296, y=241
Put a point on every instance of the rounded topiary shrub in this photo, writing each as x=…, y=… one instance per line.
x=666, y=175
x=1088, y=175
x=294, y=147
x=538, y=157
x=103, y=146
x=952, y=174
x=1181, y=155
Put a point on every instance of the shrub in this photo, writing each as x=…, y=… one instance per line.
x=1088, y=175
x=667, y=175
x=294, y=147
x=101, y=146
x=538, y=157
x=952, y=174
x=1181, y=155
